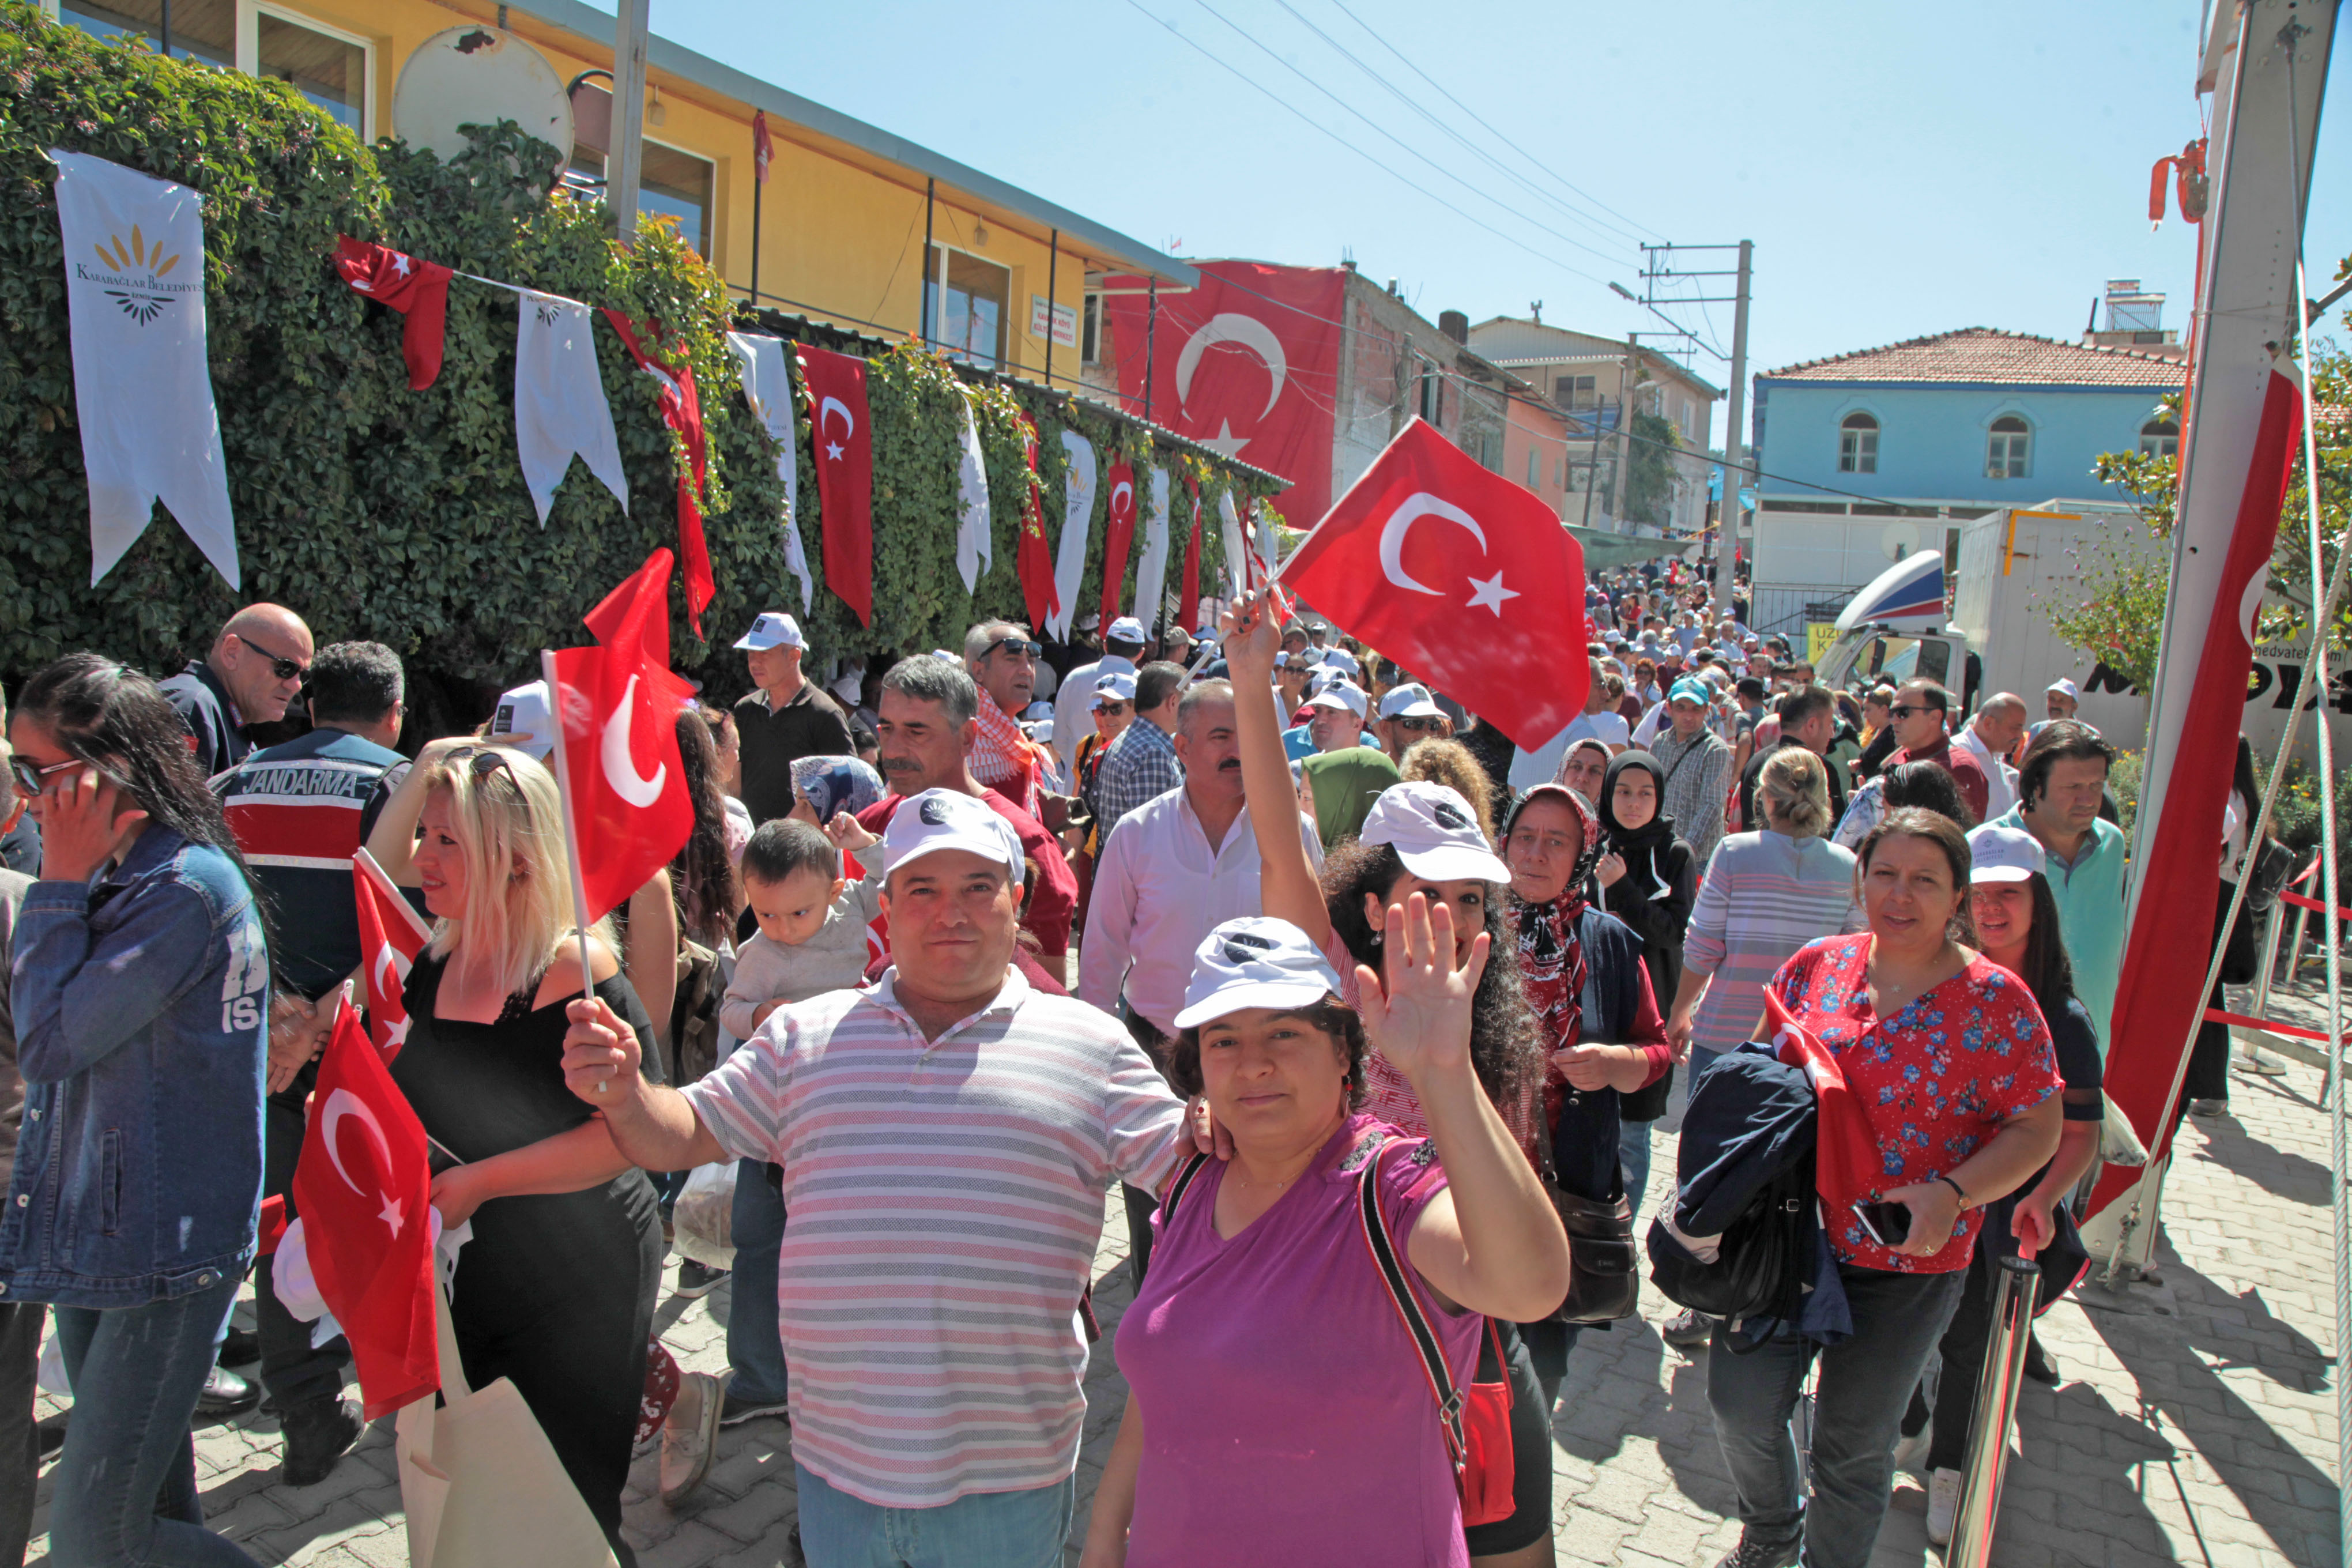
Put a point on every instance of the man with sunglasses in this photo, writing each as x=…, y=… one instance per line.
x=1001, y=659
x=1409, y=714
x=1918, y=720
x=1074, y=703
x=251, y=676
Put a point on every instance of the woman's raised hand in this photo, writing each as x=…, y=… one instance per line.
x=1418, y=1016
x=86, y=819
x=1252, y=635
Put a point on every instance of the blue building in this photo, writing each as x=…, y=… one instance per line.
x=1935, y=431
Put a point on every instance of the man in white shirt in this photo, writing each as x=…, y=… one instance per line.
x=1600, y=720
x=1074, y=704
x=1991, y=737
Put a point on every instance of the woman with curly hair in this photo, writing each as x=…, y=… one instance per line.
x=1449, y=762
x=1418, y=838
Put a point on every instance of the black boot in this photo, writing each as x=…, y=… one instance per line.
x=318, y=1433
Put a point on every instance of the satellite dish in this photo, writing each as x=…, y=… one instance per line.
x=478, y=76
x=1899, y=540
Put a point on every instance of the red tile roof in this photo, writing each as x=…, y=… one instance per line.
x=1979, y=354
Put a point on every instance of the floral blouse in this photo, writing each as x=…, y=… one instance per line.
x=1937, y=1079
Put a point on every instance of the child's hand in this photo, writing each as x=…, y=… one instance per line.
x=846, y=834
x=760, y=1014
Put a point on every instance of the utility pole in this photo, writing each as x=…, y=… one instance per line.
x=1727, y=540
x=624, y=160
x=1624, y=479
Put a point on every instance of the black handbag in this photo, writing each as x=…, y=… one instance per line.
x=1604, y=1284
x=1763, y=1258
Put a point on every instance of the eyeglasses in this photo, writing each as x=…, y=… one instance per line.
x=284, y=669
x=1017, y=645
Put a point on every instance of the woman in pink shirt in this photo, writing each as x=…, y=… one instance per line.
x=1278, y=1410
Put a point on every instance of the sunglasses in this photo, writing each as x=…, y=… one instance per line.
x=1017, y=645
x=34, y=781
x=1907, y=709
x=1417, y=725
x=284, y=669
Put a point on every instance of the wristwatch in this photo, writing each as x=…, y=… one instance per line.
x=1958, y=1191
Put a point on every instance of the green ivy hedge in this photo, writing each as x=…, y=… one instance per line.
x=401, y=516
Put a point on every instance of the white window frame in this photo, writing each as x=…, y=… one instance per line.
x=248, y=50
x=1006, y=327
x=2148, y=434
x=2024, y=468
x=1877, y=429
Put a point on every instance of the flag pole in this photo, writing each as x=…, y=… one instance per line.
x=570, y=829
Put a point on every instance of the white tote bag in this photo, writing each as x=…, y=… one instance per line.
x=481, y=1484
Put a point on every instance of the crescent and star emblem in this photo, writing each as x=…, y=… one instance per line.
x=1249, y=332
x=343, y=1102
x=620, y=767
x=848, y=424
x=1118, y=491
x=1486, y=593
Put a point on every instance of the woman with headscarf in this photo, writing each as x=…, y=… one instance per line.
x=824, y=786
x=1648, y=878
x=1602, y=1036
x=1582, y=767
x=1345, y=783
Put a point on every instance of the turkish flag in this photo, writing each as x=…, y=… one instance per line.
x=606, y=620
x=1461, y=577
x=417, y=289
x=1121, y=537
x=616, y=756
x=1035, y=558
x=1188, y=591
x=1248, y=363
x=391, y=936
x=843, y=437
x=763, y=146
x=360, y=1188
x=681, y=410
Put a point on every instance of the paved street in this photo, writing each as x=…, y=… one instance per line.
x=2195, y=1425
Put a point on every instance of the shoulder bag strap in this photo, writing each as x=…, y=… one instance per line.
x=1176, y=1188
x=1383, y=1246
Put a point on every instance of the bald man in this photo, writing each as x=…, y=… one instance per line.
x=1992, y=735
x=257, y=665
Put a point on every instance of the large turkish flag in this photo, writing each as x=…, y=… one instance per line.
x=1483, y=600
x=1248, y=362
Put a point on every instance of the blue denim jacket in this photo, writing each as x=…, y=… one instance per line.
x=142, y=1021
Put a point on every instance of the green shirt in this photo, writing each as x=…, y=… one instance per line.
x=2090, y=895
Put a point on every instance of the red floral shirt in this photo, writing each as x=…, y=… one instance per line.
x=1937, y=1079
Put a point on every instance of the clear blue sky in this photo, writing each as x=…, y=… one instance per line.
x=1902, y=169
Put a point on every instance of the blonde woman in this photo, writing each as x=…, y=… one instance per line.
x=556, y=1289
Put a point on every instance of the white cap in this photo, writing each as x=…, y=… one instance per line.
x=1126, y=628
x=1410, y=701
x=1036, y=710
x=947, y=819
x=1119, y=686
x=1255, y=961
x=774, y=629
x=850, y=687
x=1340, y=658
x=1339, y=695
x=2065, y=687
x=945, y=657
x=1040, y=730
x=524, y=720
x=1089, y=621
x=1435, y=832
x=1999, y=853
x=1208, y=634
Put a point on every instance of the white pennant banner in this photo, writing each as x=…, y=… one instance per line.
x=974, y=549
x=558, y=400
x=134, y=256
x=1151, y=566
x=1077, y=515
x=1236, y=552
x=768, y=388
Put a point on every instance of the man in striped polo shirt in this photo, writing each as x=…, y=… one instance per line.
x=947, y=1137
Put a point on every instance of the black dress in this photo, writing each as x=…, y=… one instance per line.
x=555, y=1291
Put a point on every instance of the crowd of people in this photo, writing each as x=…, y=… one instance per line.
x=1367, y=1009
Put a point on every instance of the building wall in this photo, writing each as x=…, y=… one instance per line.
x=1932, y=439
x=1535, y=453
x=1394, y=365
x=841, y=230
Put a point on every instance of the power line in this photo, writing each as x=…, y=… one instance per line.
x=1474, y=114
x=1350, y=146
x=1410, y=102
x=1275, y=56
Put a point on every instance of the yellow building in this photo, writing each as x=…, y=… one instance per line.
x=856, y=226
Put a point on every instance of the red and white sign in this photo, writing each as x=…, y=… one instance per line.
x=1248, y=363
x=391, y=936
x=1464, y=578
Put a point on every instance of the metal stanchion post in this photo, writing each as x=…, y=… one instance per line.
x=2016, y=1282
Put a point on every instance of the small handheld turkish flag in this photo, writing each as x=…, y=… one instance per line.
x=391, y=936
x=625, y=808
x=419, y=291
x=360, y=1188
x=1483, y=600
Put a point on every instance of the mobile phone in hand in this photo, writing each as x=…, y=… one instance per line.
x=1889, y=1225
